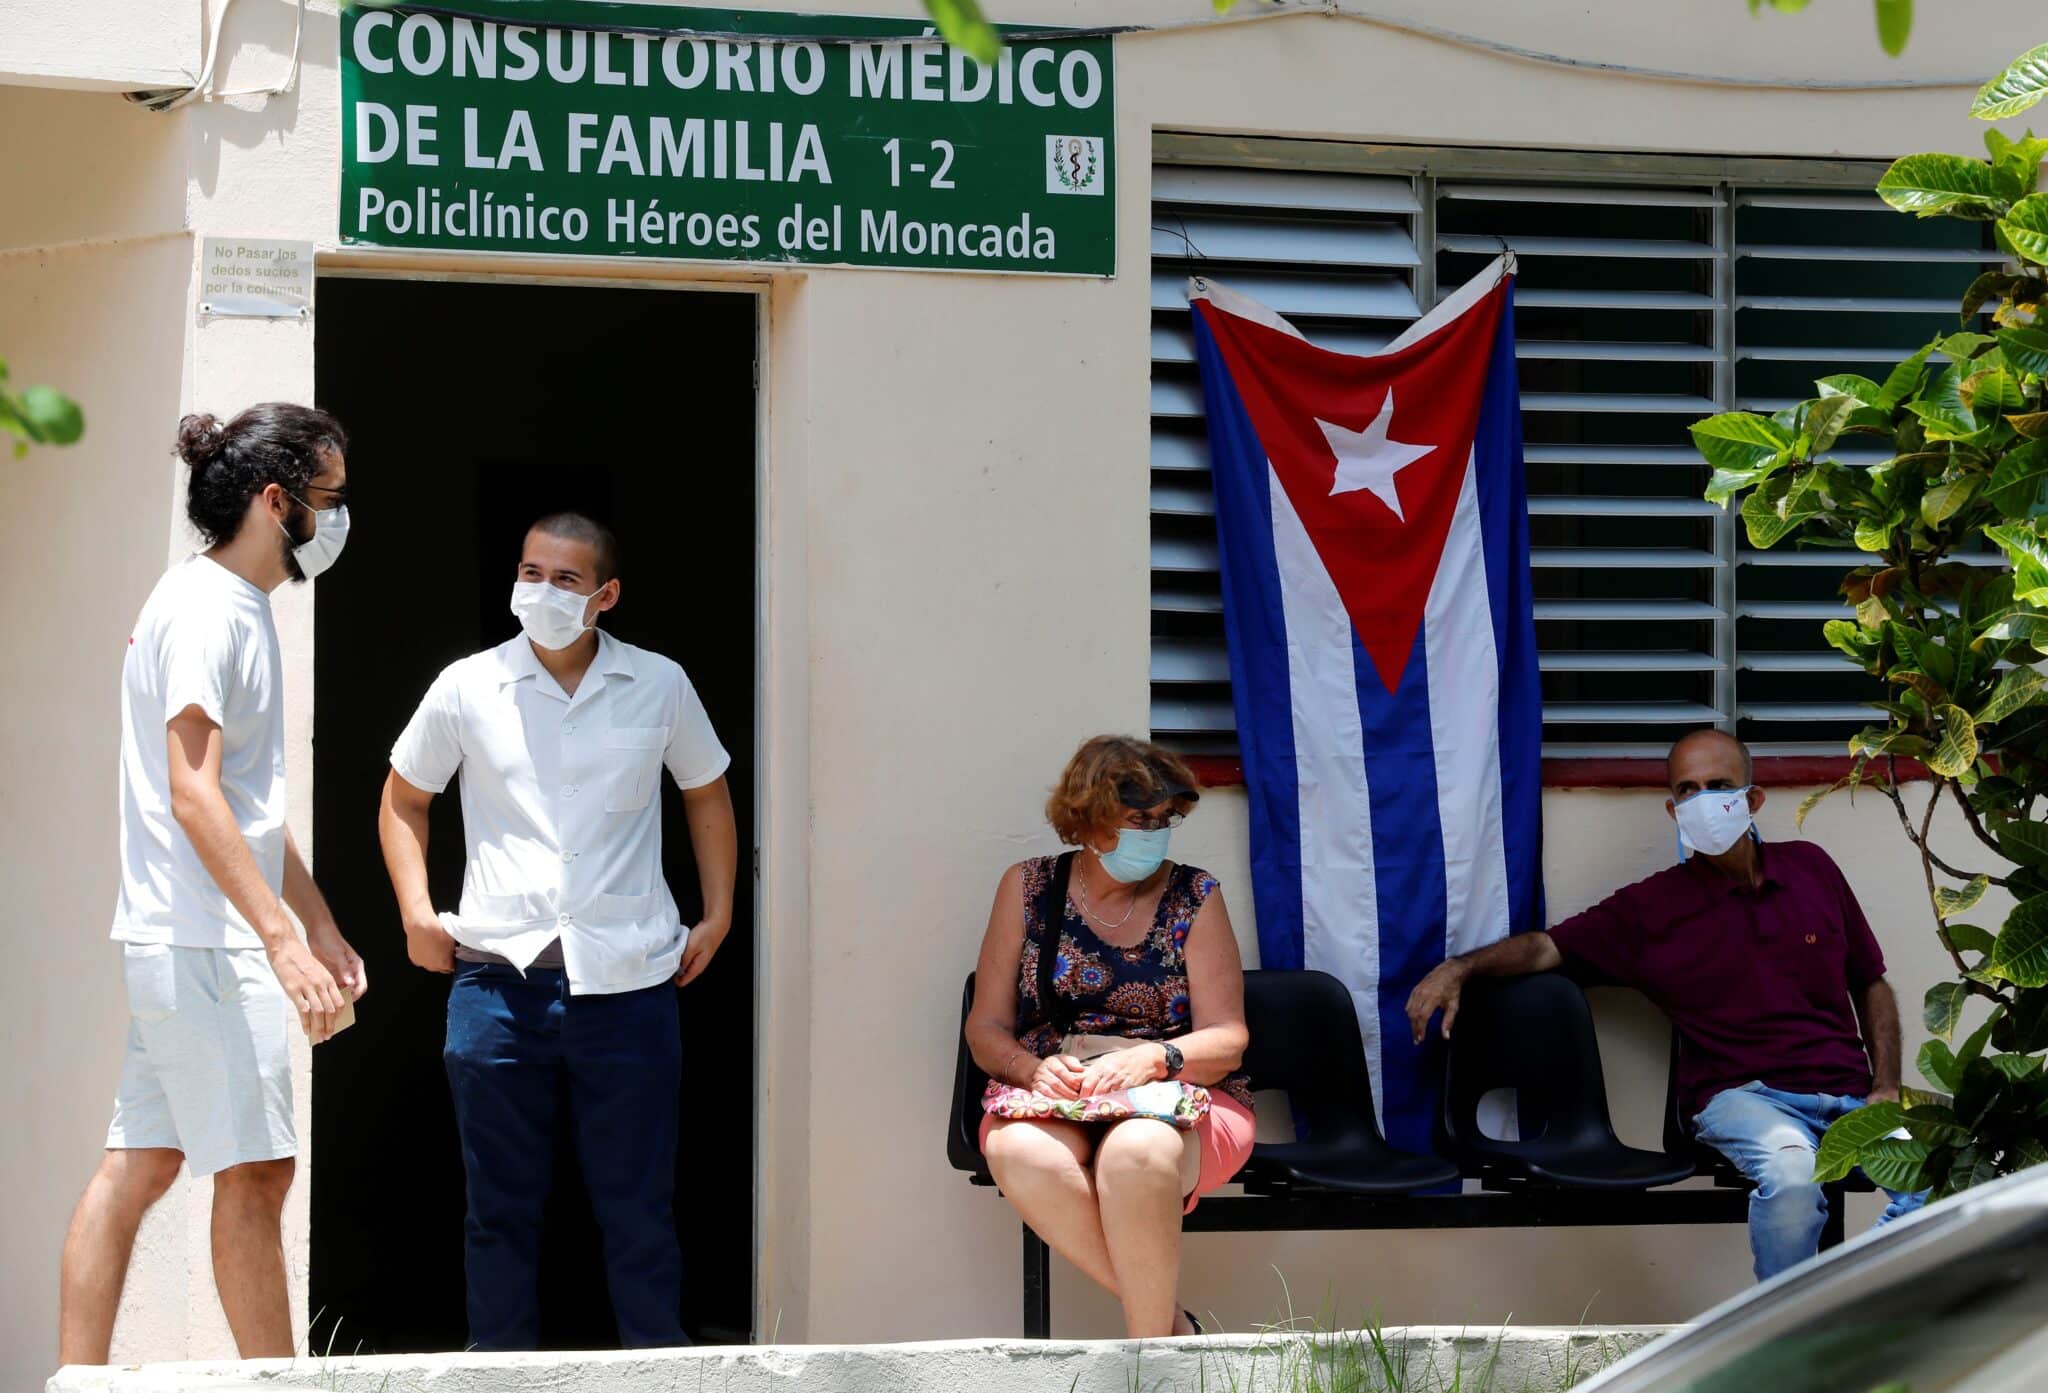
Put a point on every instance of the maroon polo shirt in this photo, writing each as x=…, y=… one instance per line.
x=1758, y=982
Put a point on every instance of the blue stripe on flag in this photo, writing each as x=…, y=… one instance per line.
x=1504, y=523
x=1408, y=865
x=1256, y=626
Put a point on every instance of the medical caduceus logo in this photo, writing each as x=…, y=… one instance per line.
x=1073, y=164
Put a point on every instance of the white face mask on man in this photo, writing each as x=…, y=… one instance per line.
x=1712, y=820
x=319, y=551
x=551, y=616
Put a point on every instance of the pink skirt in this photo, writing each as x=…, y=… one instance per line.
x=1225, y=1135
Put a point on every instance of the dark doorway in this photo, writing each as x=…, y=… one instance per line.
x=473, y=408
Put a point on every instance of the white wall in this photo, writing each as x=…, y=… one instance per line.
x=112, y=45
x=83, y=544
x=957, y=591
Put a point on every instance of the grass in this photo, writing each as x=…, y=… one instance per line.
x=1319, y=1354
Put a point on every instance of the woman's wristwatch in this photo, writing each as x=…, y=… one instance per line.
x=1174, y=1062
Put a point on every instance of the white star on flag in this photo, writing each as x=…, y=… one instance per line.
x=1367, y=459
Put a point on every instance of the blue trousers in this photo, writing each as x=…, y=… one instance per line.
x=518, y=1050
x=1771, y=1137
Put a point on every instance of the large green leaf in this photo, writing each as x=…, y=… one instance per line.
x=1849, y=384
x=1826, y=419
x=961, y=24
x=2018, y=689
x=1903, y=380
x=1949, y=903
x=2026, y=349
x=1771, y=514
x=1895, y=1162
x=2028, y=553
x=1937, y=1064
x=1943, y=1008
x=1813, y=800
x=2025, y=842
x=2021, y=625
x=1931, y=184
x=1969, y=938
x=1935, y=1125
x=2019, y=485
x=1943, y=501
x=1894, y=25
x=2016, y=1066
x=2015, y=89
x=1845, y=1142
x=1993, y=392
x=2025, y=226
x=1943, y=413
x=52, y=417
x=2020, y=956
x=1918, y=650
x=1740, y=439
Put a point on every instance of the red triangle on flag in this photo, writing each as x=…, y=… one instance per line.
x=1372, y=452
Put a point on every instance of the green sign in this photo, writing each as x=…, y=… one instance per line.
x=606, y=128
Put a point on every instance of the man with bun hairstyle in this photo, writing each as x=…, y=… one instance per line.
x=214, y=966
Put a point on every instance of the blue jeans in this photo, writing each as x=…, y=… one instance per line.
x=518, y=1050
x=1771, y=1137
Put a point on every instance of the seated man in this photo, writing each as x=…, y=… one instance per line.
x=1762, y=959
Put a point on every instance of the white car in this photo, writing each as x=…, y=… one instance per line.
x=1953, y=1299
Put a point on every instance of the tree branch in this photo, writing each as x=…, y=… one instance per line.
x=1890, y=789
x=1970, y=984
x=1970, y=816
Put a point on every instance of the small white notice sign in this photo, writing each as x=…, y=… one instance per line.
x=253, y=278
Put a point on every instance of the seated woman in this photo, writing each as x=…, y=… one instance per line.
x=1145, y=953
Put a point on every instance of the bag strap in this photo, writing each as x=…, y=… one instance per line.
x=1052, y=913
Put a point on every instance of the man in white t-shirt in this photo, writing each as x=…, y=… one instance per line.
x=214, y=967
x=567, y=940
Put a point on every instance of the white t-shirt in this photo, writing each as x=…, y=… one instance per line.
x=559, y=809
x=205, y=639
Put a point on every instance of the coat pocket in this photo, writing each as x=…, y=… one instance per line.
x=633, y=766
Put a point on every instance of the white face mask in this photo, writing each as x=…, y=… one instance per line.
x=318, y=552
x=1712, y=820
x=551, y=616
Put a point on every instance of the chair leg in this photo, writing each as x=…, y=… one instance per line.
x=1037, y=1287
x=1836, y=1227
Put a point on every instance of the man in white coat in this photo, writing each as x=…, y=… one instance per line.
x=568, y=947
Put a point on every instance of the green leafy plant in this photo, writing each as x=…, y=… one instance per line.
x=1959, y=645
x=1894, y=19
x=37, y=416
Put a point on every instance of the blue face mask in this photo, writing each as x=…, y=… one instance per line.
x=1137, y=854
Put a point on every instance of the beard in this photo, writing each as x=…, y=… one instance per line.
x=288, y=540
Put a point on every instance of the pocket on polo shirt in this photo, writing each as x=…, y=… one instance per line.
x=633, y=754
x=1816, y=957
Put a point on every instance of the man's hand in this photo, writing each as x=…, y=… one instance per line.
x=704, y=941
x=308, y=986
x=1883, y=1093
x=340, y=960
x=429, y=945
x=1120, y=1069
x=1434, y=993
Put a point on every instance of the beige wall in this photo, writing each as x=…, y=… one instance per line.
x=956, y=591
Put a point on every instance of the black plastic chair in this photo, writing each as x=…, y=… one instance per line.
x=1535, y=1035
x=1304, y=1039
x=963, y=1126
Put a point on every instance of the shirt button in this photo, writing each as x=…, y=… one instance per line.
x=568, y=790
x=568, y=727
x=563, y=920
x=568, y=856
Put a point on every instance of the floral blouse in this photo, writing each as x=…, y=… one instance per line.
x=1138, y=993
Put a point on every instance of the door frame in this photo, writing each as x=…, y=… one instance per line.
x=754, y=878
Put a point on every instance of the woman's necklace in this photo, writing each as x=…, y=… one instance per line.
x=1088, y=910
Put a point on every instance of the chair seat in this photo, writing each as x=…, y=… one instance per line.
x=1595, y=1166
x=1354, y=1170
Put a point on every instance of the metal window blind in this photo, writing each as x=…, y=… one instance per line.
x=1641, y=306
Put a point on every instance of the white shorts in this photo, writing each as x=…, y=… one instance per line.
x=209, y=1068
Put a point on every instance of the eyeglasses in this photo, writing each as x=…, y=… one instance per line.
x=1141, y=823
x=338, y=496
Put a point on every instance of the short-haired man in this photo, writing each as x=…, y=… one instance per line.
x=568, y=940
x=1761, y=957
x=213, y=964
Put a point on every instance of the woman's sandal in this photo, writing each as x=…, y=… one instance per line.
x=1192, y=1321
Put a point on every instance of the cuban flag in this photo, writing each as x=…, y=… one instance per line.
x=1375, y=556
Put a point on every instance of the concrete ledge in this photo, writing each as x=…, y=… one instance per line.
x=1530, y=1360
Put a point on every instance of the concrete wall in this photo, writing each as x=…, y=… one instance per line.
x=956, y=592
x=110, y=45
